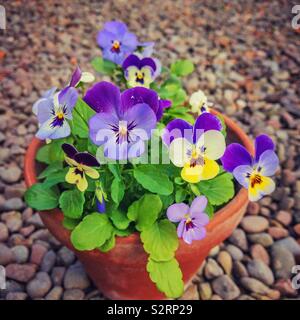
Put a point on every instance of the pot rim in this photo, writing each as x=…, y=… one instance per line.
x=219, y=217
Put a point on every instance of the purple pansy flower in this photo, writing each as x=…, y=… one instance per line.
x=116, y=42
x=253, y=173
x=101, y=205
x=195, y=148
x=147, y=49
x=47, y=95
x=53, y=113
x=192, y=220
x=140, y=72
x=81, y=164
x=123, y=121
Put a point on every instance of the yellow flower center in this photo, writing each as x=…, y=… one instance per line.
x=140, y=75
x=60, y=115
x=255, y=179
x=195, y=154
x=123, y=130
x=116, y=45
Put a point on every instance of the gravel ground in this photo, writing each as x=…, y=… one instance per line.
x=247, y=60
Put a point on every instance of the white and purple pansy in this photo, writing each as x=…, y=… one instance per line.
x=253, y=173
x=53, y=115
x=47, y=95
x=124, y=121
x=116, y=42
x=140, y=72
x=192, y=220
x=195, y=148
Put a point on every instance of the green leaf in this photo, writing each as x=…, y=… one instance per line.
x=56, y=152
x=52, y=168
x=152, y=179
x=81, y=115
x=92, y=232
x=167, y=276
x=103, y=66
x=221, y=118
x=167, y=200
x=41, y=197
x=71, y=203
x=182, y=68
x=180, y=195
x=70, y=224
x=145, y=211
x=160, y=240
x=108, y=244
x=56, y=178
x=218, y=190
x=115, y=170
x=117, y=190
x=209, y=210
x=43, y=154
x=119, y=219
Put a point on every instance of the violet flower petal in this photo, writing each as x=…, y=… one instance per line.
x=177, y=128
x=268, y=163
x=86, y=159
x=103, y=97
x=235, y=155
x=198, y=206
x=263, y=143
x=69, y=150
x=242, y=174
x=205, y=122
x=177, y=211
x=75, y=79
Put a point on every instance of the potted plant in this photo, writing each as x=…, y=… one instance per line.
x=139, y=183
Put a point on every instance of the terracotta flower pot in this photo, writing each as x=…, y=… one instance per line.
x=121, y=273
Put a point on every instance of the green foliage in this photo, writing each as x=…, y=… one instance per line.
x=71, y=203
x=153, y=179
x=56, y=152
x=117, y=190
x=41, y=197
x=145, y=211
x=81, y=115
x=43, y=154
x=70, y=224
x=56, y=178
x=167, y=276
x=92, y=232
x=52, y=168
x=119, y=219
x=160, y=240
x=218, y=190
x=182, y=68
x=109, y=244
x=103, y=66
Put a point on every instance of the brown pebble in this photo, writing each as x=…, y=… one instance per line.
x=260, y=253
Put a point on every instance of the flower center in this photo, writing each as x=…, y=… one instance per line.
x=116, y=46
x=60, y=115
x=123, y=130
x=255, y=179
x=139, y=77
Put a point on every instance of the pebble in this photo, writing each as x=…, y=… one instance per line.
x=258, y=252
x=57, y=275
x=66, y=256
x=284, y=286
x=225, y=288
x=290, y=244
x=76, y=278
x=20, y=272
x=20, y=253
x=254, y=285
x=239, y=239
x=37, y=254
x=48, y=261
x=13, y=204
x=73, y=294
x=191, y=293
x=254, y=224
x=259, y=270
x=205, y=291
x=55, y=293
x=261, y=238
x=253, y=208
x=6, y=256
x=13, y=220
x=282, y=262
x=284, y=217
x=278, y=232
x=235, y=252
x=39, y=286
x=16, y=296
x=225, y=261
x=10, y=175
x=239, y=269
x=212, y=269
x=3, y=232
